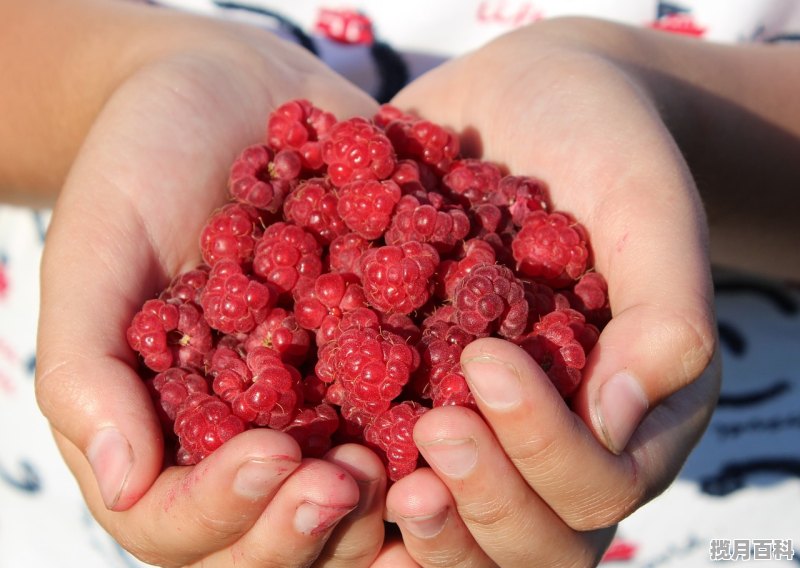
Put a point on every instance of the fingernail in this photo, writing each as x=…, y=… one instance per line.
x=620, y=408
x=256, y=478
x=454, y=458
x=313, y=519
x=426, y=526
x=495, y=382
x=111, y=458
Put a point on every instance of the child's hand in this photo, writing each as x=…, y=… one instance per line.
x=541, y=483
x=151, y=170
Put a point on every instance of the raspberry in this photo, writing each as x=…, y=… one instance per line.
x=233, y=302
x=366, y=207
x=590, y=297
x=322, y=306
x=476, y=252
x=345, y=253
x=369, y=365
x=490, y=298
x=425, y=141
x=551, y=248
x=473, y=180
x=186, y=286
x=398, y=278
x=174, y=386
x=520, y=195
x=286, y=253
x=281, y=333
x=262, y=179
x=389, y=113
x=231, y=234
x=228, y=372
x=203, y=424
x=167, y=333
x=275, y=393
x=414, y=177
x=355, y=149
x=313, y=429
x=299, y=125
x=422, y=222
x=391, y=432
x=312, y=205
x=439, y=376
x=559, y=343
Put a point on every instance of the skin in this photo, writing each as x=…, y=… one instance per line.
x=158, y=96
x=617, y=121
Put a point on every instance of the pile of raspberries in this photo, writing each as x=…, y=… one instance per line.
x=353, y=263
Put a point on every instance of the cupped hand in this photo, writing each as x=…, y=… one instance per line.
x=151, y=169
x=541, y=483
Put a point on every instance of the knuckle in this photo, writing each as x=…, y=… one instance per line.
x=604, y=509
x=487, y=515
x=699, y=345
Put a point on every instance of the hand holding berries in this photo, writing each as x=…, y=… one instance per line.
x=370, y=375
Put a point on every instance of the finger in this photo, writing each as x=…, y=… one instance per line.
x=394, y=555
x=556, y=453
x=358, y=538
x=433, y=532
x=191, y=512
x=298, y=521
x=511, y=523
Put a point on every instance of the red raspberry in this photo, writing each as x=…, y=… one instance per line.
x=491, y=299
x=414, y=177
x=366, y=206
x=388, y=113
x=551, y=248
x=186, y=286
x=391, y=432
x=313, y=428
x=233, y=302
x=322, y=306
x=286, y=253
x=202, y=425
x=228, y=372
x=174, y=387
x=371, y=366
x=231, y=234
x=559, y=342
x=345, y=253
x=312, y=206
x=402, y=325
x=590, y=297
x=170, y=333
x=262, y=179
x=314, y=390
x=425, y=141
x=281, y=333
x=299, y=125
x=439, y=376
x=476, y=252
x=275, y=393
x=399, y=278
x=355, y=149
x=422, y=222
x=520, y=195
x=473, y=180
